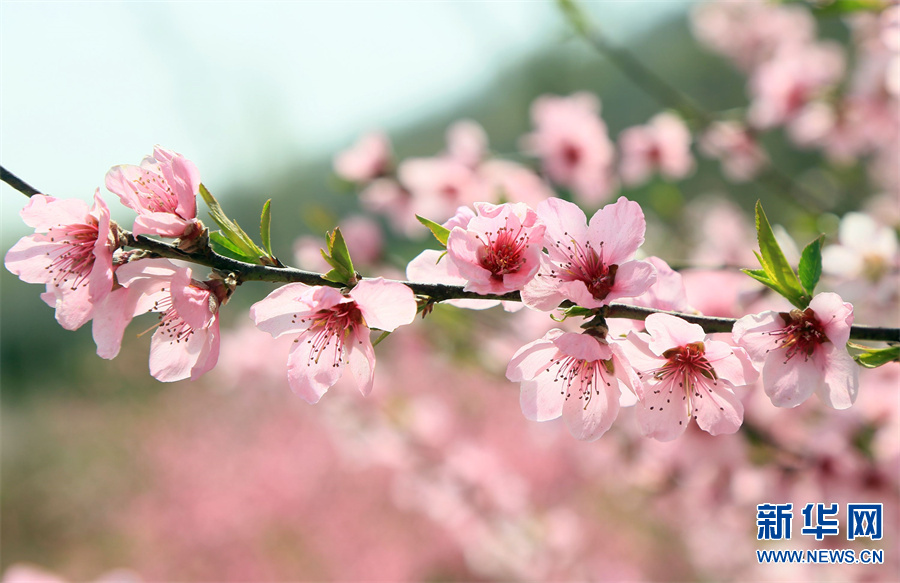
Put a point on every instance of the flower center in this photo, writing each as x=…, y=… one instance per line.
x=156, y=192
x=689, y=360
x=571, y=154
x=73, y=257
x=587, y=376
x=585, y=264
x=503, y=251
x=801, y=334
x=333, y=325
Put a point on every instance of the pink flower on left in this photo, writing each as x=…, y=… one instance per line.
x=162, y=190
x=71, y=252
x=333, y=329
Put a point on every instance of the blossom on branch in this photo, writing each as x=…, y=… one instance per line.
x=333, y=329
x=686, y=375
x=589, y=264
x=368, y=159
x=162, y=190
x=663, y=145
x=577, y=376
x=803, y=352
x=71, y=252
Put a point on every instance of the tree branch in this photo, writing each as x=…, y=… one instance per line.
x=435, y=292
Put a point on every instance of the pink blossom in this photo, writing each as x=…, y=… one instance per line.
x=466, y=143
x=736, y=147
x=803, y=351
x=385, y=196
x=511, y=182
x=589, y=264
x=333, y=329
x=440, y=185
x=791, y=79
x=366, y=160
x=751, y=31
x=667, y=293
x=677, y=361
x=186, y=341
x=364, y=239
x=663, y=145
x=846, y=130
x=865, y=249
x=71, y=252
x=163, y=190
x=499, y=249
x=577, y=376
x=572, y=142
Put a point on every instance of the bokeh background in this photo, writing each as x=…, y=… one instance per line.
x=437, y=475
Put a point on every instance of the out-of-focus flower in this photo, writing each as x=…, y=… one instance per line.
x=71, y=252
x=25, y=573
x=751, y=31
x=186, y=341
x=466, y=142
x=667, y=293
x=865, y=249
x=663, y=145
x=589, y=264
x=733, y=144
x=499, y=249
x=511, y=182
x=440, y=185
x=677, y=361
x=795, y=76
x=803, y=351
x=333, y=329
x=577, y=376
x=572, y=142
x=846, y=130
x=162, y=190
x=365, y=160
x=364, y=239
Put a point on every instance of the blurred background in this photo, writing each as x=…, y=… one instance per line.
x=437, y=475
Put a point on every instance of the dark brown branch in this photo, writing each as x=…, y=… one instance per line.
x=17, y=183
x=433, y=291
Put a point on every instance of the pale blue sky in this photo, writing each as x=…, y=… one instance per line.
x=243, y=88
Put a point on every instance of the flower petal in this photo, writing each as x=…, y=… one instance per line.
x=789, y=382
x=841, y=377
x=309, y=375
x=590, y=420
x=385, y=305
x=362, y=361
x=618, y=229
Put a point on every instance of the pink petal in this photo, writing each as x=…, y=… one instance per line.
x=209, y=355
x=565, y=223
x=308, y=375
x=362, y=361
x=112, y=317
x=42, y=212
x=532, y=358
x=583, y=347
x=385, y=305
x=589, y=421
x=789, y=383
x=730, y=363
x=663, y=412
x=284, y=310
x=841, y=377
x=620, y=228
x=669, y=332
x=541, y=400
x=172, y=360
x=29, y=258
x=73, y=307
x=753, y=334
x=162, y=224
x=835, y=315
x=633, y=278
x=718, y=411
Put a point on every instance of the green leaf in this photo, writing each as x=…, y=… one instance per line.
x=759, y=275
x=223, y=246
x=338, y=257
x=440, y=233
x=810, y=268
x=840, y=7
x=878, y=356
x=231, y=229
x=777, y=269
x=265, y=227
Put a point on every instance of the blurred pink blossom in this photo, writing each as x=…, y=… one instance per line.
x=796, y=75
x=467, y=143
x=803, y=351
x=163, y=190
x=571, y=140
x=368, y=159
x=663, y=145
x=364, y=239
x=735, y=146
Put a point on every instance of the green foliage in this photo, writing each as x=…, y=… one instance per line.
x=776, y=272
x=841, y=7
x=338, y=257
x=239, y=243
x=440, y=233
x=810, y=268
x=878, y=356
x=265, y=227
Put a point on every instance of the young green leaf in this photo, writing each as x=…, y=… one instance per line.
x=777, y=269
x=440, y=233
x=223, y=246
x=265, y=227
x=878, y=356
x=230, y=229
x=810, y=268
x=841, y=7
x=338, y=256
